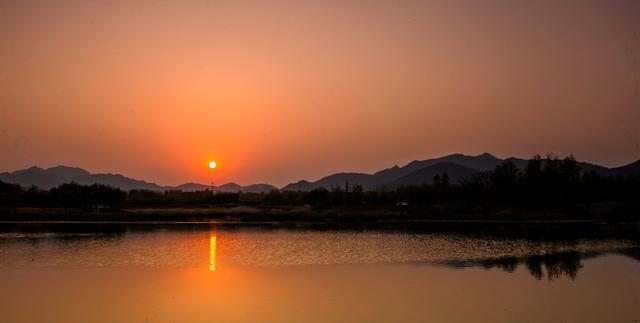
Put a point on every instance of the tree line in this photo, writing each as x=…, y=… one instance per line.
x=69, y=195
x=543, y=182
x=548, y=181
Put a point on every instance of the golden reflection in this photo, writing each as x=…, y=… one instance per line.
x=212, y=251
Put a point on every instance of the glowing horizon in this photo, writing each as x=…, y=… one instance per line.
x=292, y=90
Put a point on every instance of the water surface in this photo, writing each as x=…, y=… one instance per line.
x=211, y=273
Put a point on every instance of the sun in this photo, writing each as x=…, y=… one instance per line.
x=212, y=164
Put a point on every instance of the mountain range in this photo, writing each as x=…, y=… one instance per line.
x=457, y=167
x=54, y=176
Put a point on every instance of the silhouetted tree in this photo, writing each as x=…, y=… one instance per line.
x=9, y=194
x=505, y=179
x=445, y=180
x=437, y=181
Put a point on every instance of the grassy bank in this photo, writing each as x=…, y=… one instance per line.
x=595, y=213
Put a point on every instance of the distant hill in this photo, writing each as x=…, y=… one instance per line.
x=457, y=166
x=388, y=177
x=382, y=178
x=254, y=188
x=117, y=180
x=54, y=176
x=229, y=188
x=631, y=169
x=481, y=162
x=258, y=188
x=190, y=187
x=35, y=176
x=340, y=180
x=425, y=175
x=67, y=172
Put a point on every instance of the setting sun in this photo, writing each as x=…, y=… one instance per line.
x=369, y=150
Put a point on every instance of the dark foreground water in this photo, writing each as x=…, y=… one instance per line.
x=207, y=273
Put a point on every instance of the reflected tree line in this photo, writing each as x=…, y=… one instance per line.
x=546, y=181
x=555, y=265
x=552, y=266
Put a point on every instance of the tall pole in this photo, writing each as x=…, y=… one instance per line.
x=213, y=195
x=212, y=166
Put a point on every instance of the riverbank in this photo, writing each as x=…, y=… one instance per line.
x=452, y=213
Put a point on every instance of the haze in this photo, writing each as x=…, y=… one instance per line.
x=276, y=91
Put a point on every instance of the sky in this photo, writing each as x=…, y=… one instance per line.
x=278, y=91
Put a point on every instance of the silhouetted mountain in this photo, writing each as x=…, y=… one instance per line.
x=391, y=177
x=631, y=169
x=117, y=180
x=425, y=175
x=587, y=167
x=54, y=176
x=67, y=172
x=386, y=177
x=258, y=188
x=32, y=176
x=457, y=166
x=481, y=162
x=229, y=188
x=339, y=180
x=300, y=186
x=190, y=187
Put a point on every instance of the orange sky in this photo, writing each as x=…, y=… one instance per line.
x=277, y=91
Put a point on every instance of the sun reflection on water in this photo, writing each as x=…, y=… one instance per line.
x=212, y=251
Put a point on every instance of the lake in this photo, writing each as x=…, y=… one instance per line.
x=222, y=273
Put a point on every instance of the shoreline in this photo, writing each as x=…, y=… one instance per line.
x=451, y=213
x=570, y=230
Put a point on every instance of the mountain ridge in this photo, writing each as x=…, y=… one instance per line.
x=57, y=175
x=483, y=162
x=457, y=167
